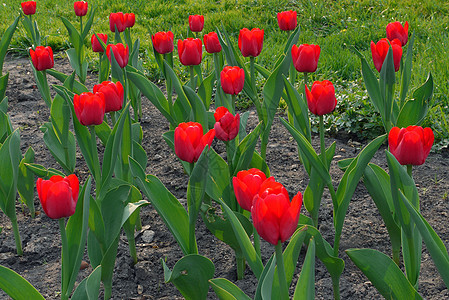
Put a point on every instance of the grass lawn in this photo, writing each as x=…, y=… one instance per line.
x=337, y=26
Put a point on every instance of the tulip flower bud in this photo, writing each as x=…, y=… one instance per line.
x=287, y=20
x=395, y=30
x=29, y=7
x=410, y=145
x=113, y=94
x=130, y=20
x=42, y=58
x=226, y=125
x=246, y=185
x=121, y=54
x=251, y=41
x=117, y=20
x=96, y=46
x=274, y=216
x=58, y=196
x=89, y=108
x=190, y=141
x=321, y=100
x=80, y=8
x=380, y=51
x=305, y=57
x=190, y=51
x=211, y=43
x=232, y=80
x=163, y=42
x=196, y=23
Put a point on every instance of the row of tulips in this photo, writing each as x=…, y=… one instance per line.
x=254, y=204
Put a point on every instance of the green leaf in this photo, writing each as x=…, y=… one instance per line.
x=407, y=70
x=182, y=106
x=258, y=163
x=434, y=244
x=25, y=182
x=3, y=85
x=218, y=181
x=89, y=22
x=245, y=150
x=16, y=286
x=386, y=84
x=305, y=287
x=249, y=252
x=384, y=274
x=226, y=290
x=41, y=171
x=89, y=287
x=74, y=35
x=205, y=89
x=266, y=270
x=192, y=268
x=198, y=108
x=266, y=282
x=78, y=87
x=168, y=207
x=4, y=43
x=415, y=110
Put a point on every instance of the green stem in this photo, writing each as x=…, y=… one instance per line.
x=169, y=90
x=292, y=74
x=113, y=120
x=241, y=263
x=322, y=144
x=96, y=160
x=81, y=26
x=252, y=74
x=409, y=170
x=132, y=245
x=234, y=98
x=306, y=82
x=336, y=287
x=64, y=260
x=99, y=67
x=46, y=95
x=15, y=229
x=281, y=272
x=192, y=77
x=396, y=257
x=107, y=291
x=257, y=242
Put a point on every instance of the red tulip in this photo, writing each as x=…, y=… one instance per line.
x=80, y=8
x=42, y=58
x=380, y=50
x=395, y=30
x=246, y=185
x=410, y=145
x=321, y=100
x=117, y=20
x=232, y=80
x=121, y=54
x=251, y=41
x=274, y=216
x=190, y=51
x=58, y=195
x=113, y=94
x=226, y=125
x=211, y=43
x=196, y=23
x=305, y=57
x=96, y=46
x=89, y=108
x=163, y=42
x=130, y=20
x=287, y=20
x=190, y=141
x=29, y=7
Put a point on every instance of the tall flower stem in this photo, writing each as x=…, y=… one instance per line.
x=283, y=288
x=336, y=287
x=15, y=229
x=234, y=98
x=409, y=170
x=169, y=89
x=192, y=78
x=81, y=25
x=257, y=242
x=64, y=259
x=322, y=144
x=96, y=160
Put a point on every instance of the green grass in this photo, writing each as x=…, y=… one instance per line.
x=336, y=26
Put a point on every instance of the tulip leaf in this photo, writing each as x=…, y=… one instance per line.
x=245, y=150
x=248, y=250
x=103, y=131
x=226, y=290
x=350, y=181
x=89, y=287
x=434, y=244
x=42, y=84
x=5, y=126
x=261, y=279
x=74, y=60
x=74, y=35
x=78, y=87
x=182, y=106
x=191, y=268
x=384, y=274
x=414, y=110
x=76, y=229
x=406, y=71
x=305, y=287
x=290, y=256
x=4, y=43
x=25, y=182
x=218, y=182
x=386, y=84
x=152, y=92
x=198, y=109
x=377, y=182
x=168, y=207
x=205, y=89
x=267, y=281
x=259, y=163
x=16, y=286
x=3, y=85
x=89, y=22
x=309, y=152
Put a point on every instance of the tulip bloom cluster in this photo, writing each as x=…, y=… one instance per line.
x=96, y=46
x=121, y=21
x=121, y=54
x=287, y=20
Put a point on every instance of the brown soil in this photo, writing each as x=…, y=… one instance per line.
x=363, y=227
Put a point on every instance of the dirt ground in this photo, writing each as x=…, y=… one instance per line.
x=363, y=226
